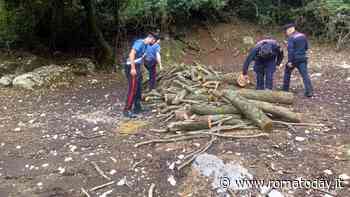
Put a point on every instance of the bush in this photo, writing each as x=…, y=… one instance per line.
x=328, y=19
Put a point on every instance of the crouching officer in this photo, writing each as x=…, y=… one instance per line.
x=152, y=59
x=133, y=74
x=297, y=58
x=267, y=54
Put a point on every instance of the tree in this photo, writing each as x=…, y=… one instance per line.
x=106, y=57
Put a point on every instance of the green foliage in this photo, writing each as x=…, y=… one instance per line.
x=146, y=11
x=62, y=23
x=329, y=19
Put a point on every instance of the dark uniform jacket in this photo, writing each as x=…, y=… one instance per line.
x=297, y=48
x=262, y=64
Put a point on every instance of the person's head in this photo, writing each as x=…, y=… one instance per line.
x=152, y=38
x=289, y=29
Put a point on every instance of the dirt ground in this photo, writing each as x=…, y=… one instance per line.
x=50, y=139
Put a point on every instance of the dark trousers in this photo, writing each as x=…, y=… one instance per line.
x=302, y=68
x=264, y=79
x=134, y=88
x=152, y=73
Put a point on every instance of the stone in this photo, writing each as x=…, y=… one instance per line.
x=8, y=67
x=225, y=176
x=28, y=81
x=248, y=40
x=43, y=76
x=6, y=80
x=275, y=193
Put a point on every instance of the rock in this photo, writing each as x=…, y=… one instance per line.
x=225, y=176
x=28, y=81
x=43, y=76
x=8, y=67
x=316, y=75
x=83, y=66
x=172, y=180
x=344, y=177
x=248, y=40
x=6, y=80
x=300, y=139
x=30, y=63
x=275, y=193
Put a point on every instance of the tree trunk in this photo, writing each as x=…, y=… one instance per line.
x=57, y=14
x=213, y=110
x=277, y=111
x=268, y=96
x=106, y=58
x=250, y=111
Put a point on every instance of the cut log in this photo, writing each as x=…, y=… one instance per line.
x=268, y=96
x=213, y=110
x=250, y=111
x=203, y=122
x=181, y=95
x=188, y=126
x=278, y=111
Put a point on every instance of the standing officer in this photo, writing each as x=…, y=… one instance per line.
x=152, y=59
x=297, y=57
x=267, y=54
x=133, y=73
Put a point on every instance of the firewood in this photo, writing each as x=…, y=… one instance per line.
x=250, y=111
x=268, y=96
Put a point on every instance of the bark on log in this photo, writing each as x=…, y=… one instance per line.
x=250, y=111
x=188, y=126
x=278, y=111
x=178, y=98
x=213, y=110
x=268, y=96
x=204, y=122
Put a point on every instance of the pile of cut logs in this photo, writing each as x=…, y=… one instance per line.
x=197, y=102
x=191, y=98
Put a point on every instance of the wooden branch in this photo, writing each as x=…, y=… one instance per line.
x=247, y=109
x=101, y=186
x=85, y=192
x=151, y=190
x=268, y=96
x=202, y=150
x=98, y=169
x=278, y=111
x=169, y=140
x=299, y=124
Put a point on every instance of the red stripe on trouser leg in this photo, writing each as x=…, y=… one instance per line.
x=132, y=93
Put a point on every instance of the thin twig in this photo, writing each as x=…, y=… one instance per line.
x=98, y=169
x=222, y=120
x=235, y=136
x=159, y=130
x=85, y=192
x=101, y=186
x=299, y=124
x=137, y=163
x=210, y=143
x=169, y=140
x=151, y=189
x=170, y=117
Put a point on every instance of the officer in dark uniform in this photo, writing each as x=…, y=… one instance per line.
x=297, y=58
x=267, y=54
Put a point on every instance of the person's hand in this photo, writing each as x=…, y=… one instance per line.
x=160, y=67
x=133, y=72
x=245, y=77
x=280, y=66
